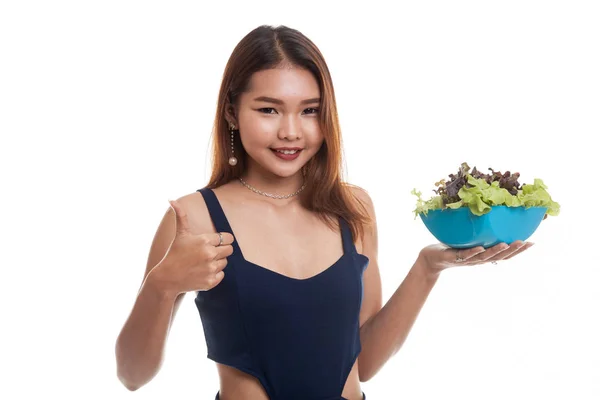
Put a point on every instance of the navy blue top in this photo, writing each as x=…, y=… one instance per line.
x=298, y=337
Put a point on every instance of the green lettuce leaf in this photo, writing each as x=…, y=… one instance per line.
x=423, y=206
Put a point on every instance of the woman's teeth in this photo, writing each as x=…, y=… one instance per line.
x=287, y=151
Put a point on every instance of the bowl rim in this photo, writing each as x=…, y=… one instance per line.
x=439, y=210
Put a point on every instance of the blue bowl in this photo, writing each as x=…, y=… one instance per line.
x=460, y=228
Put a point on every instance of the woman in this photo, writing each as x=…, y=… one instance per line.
x=280, y=253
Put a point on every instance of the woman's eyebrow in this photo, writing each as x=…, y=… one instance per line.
x=280, y=102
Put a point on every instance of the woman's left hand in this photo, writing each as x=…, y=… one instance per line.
x=438, y=257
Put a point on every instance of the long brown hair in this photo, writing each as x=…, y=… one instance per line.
x=264, y=48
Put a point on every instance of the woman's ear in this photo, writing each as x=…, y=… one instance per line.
x=230, y=115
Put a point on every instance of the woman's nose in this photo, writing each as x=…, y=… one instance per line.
x=291, y=129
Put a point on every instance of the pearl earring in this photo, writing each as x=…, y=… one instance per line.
x=232, y=160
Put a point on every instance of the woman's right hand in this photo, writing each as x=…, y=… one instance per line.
x=192, y=262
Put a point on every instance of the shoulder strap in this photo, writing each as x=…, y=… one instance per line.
x=347, y=241
x=215, y=210
x=218, y=217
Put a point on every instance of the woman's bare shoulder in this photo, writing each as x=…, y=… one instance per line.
x=362, y=195
x=197, y=209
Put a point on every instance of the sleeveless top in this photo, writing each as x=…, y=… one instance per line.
x=298, y=337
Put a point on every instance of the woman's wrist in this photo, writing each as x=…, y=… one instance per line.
x=156, y=284
x=425, y=268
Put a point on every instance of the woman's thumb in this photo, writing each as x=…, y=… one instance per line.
x=181, y=220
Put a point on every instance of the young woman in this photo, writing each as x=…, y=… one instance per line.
x=280, y=253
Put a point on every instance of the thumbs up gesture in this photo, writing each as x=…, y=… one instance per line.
x=193, y=262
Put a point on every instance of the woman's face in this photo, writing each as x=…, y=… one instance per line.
x=281, y=110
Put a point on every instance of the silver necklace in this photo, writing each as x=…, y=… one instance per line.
x=274, y=196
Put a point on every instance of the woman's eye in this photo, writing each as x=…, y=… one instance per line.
x=267, y=110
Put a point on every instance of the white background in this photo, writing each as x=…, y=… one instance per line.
x=106, y=110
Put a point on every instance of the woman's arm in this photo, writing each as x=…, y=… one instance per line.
x=384, y=330
x=383, y=334
x=140, y=345
x=141, y=342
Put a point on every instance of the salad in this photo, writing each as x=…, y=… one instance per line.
x=480, y=191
